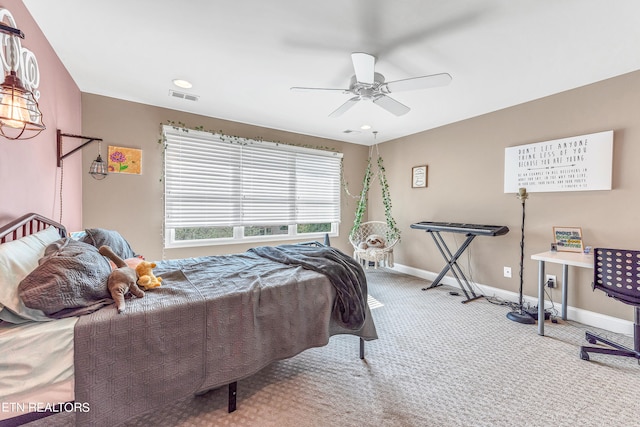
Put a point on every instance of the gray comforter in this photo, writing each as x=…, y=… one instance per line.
x=345, y=273
x=214, y=320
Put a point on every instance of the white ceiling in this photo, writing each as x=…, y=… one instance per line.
x=242, y=56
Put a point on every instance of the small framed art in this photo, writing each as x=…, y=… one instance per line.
x=568, y=239
x=419, y=176
x=125, y=160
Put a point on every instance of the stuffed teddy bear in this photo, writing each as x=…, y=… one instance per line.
x=121, y=280
x=146, y=278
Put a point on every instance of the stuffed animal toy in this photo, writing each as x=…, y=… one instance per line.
x=376, y=241
x=121, y=280
x=131, y=262
x=146, y=278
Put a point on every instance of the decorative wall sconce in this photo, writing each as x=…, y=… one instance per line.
x=98, y=169
x=20, y=116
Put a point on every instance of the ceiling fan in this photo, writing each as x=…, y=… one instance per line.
x=366, y=84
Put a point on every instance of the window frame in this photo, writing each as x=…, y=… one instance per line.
x=239, y=237
x=238, y=230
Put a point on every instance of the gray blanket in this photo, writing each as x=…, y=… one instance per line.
x=345, y=274
x=70, y=280
x=214, y=320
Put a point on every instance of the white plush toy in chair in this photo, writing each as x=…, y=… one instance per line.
x=376, y=241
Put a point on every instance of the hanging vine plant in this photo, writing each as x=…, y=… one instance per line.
x=393, y=231
x=364, y=197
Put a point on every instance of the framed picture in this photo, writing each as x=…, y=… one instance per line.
x=568, y=239
x=419, y=176
x=124, y=160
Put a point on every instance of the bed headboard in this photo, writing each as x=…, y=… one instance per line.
x=28, y=224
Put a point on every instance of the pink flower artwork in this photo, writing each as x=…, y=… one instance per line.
x=125, y=160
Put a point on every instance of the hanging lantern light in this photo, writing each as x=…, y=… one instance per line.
x=98, y=168
x=20, y=116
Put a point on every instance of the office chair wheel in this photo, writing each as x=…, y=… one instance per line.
x=617, y=263
x=584, y=355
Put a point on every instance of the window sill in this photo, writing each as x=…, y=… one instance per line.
x=263, y=240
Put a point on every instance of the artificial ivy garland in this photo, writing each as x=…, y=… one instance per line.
x=393, y=231
x=235, y=139
x=362, y=203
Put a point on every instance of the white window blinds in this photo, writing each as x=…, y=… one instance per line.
x=210, y=182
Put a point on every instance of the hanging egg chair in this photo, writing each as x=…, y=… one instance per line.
x=373, y=241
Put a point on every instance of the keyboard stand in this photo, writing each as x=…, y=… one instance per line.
x=452, y=264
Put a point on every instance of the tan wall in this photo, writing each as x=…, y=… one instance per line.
x=133, y=204
x=465, y=184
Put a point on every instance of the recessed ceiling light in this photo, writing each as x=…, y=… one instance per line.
x=182, y=83
x=365, y=127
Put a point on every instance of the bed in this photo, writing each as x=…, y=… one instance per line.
x=214, y=321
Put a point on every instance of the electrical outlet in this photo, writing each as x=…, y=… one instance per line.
x=507, y=272
x=551, y=281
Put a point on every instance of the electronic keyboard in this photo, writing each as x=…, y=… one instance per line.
x=455, y=227
x=470, y=231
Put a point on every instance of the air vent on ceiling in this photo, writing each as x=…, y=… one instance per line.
x=350, y=131
x=183, y=95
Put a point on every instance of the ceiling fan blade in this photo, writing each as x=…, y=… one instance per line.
x=391, y=105
x=311, y=89
x=344, y=107
x=417, y=83
x=364, y=65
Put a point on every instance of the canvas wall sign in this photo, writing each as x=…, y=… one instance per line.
x=577, y=163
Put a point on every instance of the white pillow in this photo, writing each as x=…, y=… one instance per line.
x=18, y=258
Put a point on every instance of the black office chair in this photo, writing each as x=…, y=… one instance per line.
x=617, y=273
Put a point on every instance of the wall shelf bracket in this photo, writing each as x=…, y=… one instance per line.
x=60, y=135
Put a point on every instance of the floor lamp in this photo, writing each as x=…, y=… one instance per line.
x=520, y=316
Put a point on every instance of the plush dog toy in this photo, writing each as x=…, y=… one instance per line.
x=146, y=278
x=121, y=280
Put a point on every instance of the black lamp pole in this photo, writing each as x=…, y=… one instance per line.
x=520, y=316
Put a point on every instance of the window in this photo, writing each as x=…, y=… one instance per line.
x=221, y=190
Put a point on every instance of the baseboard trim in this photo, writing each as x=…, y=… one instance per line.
x=590, y=318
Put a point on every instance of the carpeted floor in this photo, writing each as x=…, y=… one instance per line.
x=437, y=363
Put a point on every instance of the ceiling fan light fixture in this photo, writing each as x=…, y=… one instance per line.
x=368, y=85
